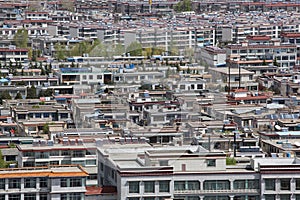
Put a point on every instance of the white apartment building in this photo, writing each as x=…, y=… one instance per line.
x=70, y=152
x=84, y=76
x=43, y=183
x=192, y=173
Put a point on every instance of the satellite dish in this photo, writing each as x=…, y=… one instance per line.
x=277, y=127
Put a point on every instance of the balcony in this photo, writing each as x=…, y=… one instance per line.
x=240, y=191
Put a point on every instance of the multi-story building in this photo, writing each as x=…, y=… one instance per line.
x=81, y=76
x=68, y=152
x=260, y=50
x=13, y=54
x=44, y=183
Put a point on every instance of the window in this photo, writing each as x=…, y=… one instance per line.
x=65, y=153
x=179, y=185
x=2, y=183
x=30, y=182
x=270, y=197
x=63, y=182
x=54, y=153
x=239, y=184
x=75, y=182
x=28, y=154
x=199, y=86
x=217, y=185
x=297, y=184
x=78, y=154
x=38, y=115
x=91, y=162
x=46, y=115
x=99, y=76
x=84, y=77
x=211, y=162
x=285, y=184
x=270, y=184
x=2, y=196
x=91, y=77
x=74, y=196
x=164, y=186
x=285, y=197
x=29, y=196
x=14, y=183
x=66, y=162
x=14, y=196
x=134, y=187
x=43, y=182
x=149, y=186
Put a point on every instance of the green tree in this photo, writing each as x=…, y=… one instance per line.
x=21, y=38
x=18, y=96
x=60, y=53
x=2, y=162
x=31, y=92
x=46, y=129
x=182, y=6
x=135, y=49
x=119, y=49
x=230, y=161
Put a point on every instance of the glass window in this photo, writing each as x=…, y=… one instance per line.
x=297, y=184
x=217, y=185
x=91, y=162
x=253, y=184
x=29, y=196
x=285, y=197
x=63, y=182
x=90, y=76
x=193, y=185
x=149, y=186
x=43, y=182
x=285, y=184
x=2, y=183
x=164, y=186
x=14, y=196
x=65, y=153
x=179, y=185
x=14, y=183
x=134, y=187
x=78, y=153
x=54, y=153
x=29, y=182
x=239, y=184
x=270, y=184
x=270, y=197
x=75, y=182
x=2, y=196
x=211, y=162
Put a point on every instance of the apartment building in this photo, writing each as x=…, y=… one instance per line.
x=13, y=54
x=260, y=50
x=43, y=183
x=237, y=78
x=82, y=76
x=212, y=56
x=68, y=152
x=175, y=172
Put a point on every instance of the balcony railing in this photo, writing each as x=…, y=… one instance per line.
x=248, y=191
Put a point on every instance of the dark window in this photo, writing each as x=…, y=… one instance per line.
x=149, y=186
x=30, y=182
x=211, y=162
x=134, y=187
x=164, y=186
x=14, y=183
